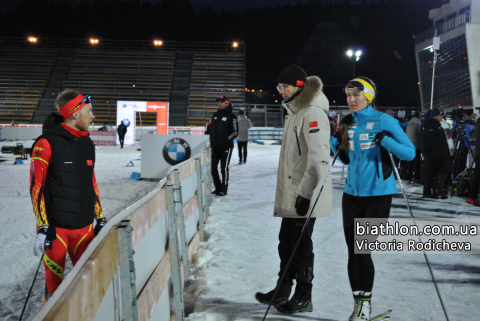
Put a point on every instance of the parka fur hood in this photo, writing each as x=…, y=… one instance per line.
x=311, y=95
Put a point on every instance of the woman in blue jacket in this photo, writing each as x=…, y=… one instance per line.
x=365, y=137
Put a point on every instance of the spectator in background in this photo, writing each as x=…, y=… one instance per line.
x=475, y=183
x=428, y=115
x=121, y=130
x=207, y=127
x=414, y=133
x=242, y=139
x=332, y=117
x=223, y=129
x=439, y=163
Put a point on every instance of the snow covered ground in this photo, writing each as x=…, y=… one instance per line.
x=240, y=256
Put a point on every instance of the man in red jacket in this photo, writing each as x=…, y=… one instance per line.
x=63, y=188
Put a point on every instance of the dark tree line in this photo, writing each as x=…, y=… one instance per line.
x=273, y=35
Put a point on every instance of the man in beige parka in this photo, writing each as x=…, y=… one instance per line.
x=303, y=166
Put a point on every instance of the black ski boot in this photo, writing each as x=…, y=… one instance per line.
x=282, y=295
x=300, y=302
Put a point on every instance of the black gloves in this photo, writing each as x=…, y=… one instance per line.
x=379, y=137
x=338, y=136
x=100, y=224
x=302, y=205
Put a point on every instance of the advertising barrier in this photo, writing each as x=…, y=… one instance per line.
x=103, y=137
x=126, y=112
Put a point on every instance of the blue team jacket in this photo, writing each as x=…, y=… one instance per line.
x=366, y=170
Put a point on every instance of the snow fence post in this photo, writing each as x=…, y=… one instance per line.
x=175, y=258
x=181, y=224
x=198, y=167
x=208, y=186
x=205, y=176
x=127, y=271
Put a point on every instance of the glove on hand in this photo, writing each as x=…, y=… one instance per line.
x=302, y=205
x=100, y=224
x=379, y=137
x=44, y=239
x=338, y=136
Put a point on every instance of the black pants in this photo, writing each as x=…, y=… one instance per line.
x=121, y=139
x=223, y=157
x=301, y=267
x=475, y=182
x=242, y=149
x=414, y=167
x=361, y=271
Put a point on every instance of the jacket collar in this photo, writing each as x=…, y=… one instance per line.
x=364, y=113
x=227, y=110
x=305, y=97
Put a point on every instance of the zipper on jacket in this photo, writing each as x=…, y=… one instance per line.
x=376, y=165
x=298, y=142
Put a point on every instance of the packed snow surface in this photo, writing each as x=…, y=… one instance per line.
x=239, y=257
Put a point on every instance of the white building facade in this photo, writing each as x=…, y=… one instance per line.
x=457, y=71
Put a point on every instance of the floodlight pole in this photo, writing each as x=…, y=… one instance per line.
x=435, y=46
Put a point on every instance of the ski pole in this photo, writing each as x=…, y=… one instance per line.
x=31, y=287
x=300, y=237
x=413, y=218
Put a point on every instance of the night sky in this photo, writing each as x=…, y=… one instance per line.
x=217, y=5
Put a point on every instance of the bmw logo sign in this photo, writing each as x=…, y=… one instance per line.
x=124, y=105
x=176, y=150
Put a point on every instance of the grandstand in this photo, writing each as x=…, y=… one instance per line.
x=24, y=73
x=189, y=75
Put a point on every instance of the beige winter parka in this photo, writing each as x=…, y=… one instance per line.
x=305, y=153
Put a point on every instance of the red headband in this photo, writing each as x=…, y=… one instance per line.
x=73, y=106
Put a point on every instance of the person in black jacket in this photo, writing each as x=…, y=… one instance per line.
x=475, y=182
x=439, y=164
x=121, y=130
x=223, y=130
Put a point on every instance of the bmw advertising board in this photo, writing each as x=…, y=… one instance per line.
x=160, y=152
x=176, y=150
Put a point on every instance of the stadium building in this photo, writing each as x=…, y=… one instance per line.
x=457, y=71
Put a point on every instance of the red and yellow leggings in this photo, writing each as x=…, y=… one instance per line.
x=73, y=241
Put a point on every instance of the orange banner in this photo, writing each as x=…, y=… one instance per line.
x=162, y=115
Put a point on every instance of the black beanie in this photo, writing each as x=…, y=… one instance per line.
x=293, y=75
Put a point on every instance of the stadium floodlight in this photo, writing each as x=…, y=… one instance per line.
x=355, y=55
x=32, y=39
x=93, y=41
x=157, y=42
